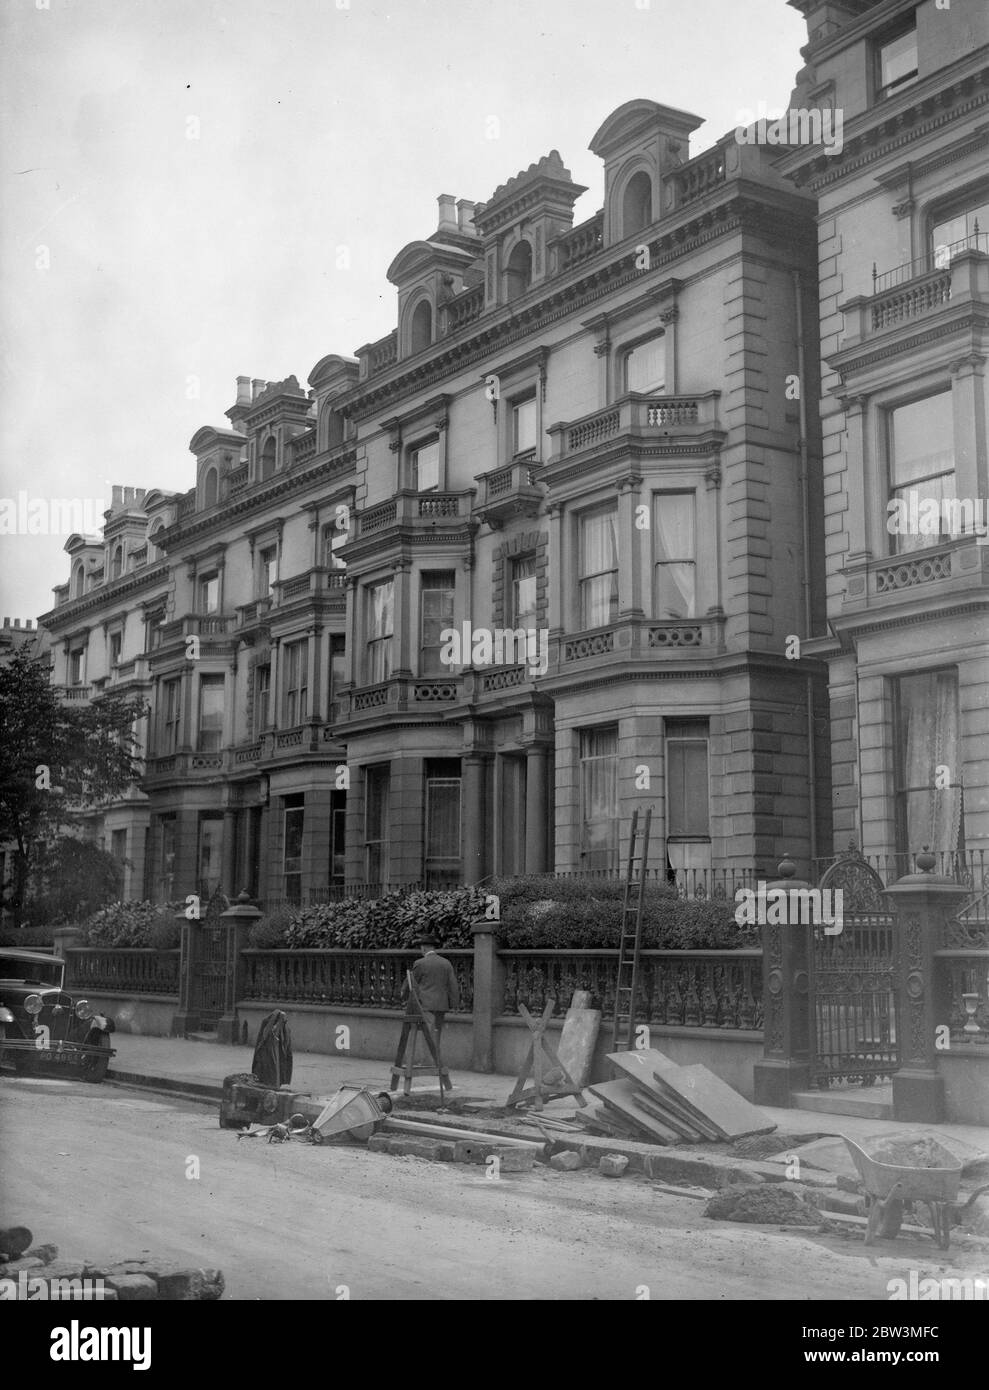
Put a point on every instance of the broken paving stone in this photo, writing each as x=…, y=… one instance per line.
x=512, y=1158
x=612, y=1165
x=566, y=1162
x=766, y=1205
x=182, y=1285
x=132, y=1287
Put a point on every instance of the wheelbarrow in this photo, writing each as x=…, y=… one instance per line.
x=889, y=1185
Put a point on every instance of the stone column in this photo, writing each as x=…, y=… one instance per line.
x=857, y=518
x=473, y=818
x=969, y=418
x=186, y=1020
x=536, y=808
x=785, y=1065
x=64, y=938
x=923, y=902
x=402, y=628
x=489, y=993
x=238, y=920
x=629, y=549
x=228, y=853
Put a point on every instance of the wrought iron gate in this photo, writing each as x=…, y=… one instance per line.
x=211, y=965
x=853, y=982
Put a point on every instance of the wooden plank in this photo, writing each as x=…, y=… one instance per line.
x=420, y=1127
x=620, y=1096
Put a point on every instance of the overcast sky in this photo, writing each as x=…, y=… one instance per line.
x=178, y=176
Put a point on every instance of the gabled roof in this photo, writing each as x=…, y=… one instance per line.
x=634, y=119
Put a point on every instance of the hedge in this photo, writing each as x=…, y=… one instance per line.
x=540, y=912
x=134, y=924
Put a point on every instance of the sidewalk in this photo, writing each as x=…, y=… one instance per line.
x=183, y=1064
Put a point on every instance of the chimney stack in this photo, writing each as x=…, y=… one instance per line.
x=243, y=390
x=117, y=497
x=257, y=386
x=448, y=215
x=465, y=213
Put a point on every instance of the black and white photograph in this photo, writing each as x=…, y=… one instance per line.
x=494, y=668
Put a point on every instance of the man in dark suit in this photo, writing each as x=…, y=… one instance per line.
x=436, y=985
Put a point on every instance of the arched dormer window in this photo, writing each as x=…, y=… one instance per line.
x=117, y=562
x=332, y=428
x=78, y=581
x=421, y=330
x=518, y=272
x=210, y=484
x=637, y=204
x=153, y=540
x=268, y=458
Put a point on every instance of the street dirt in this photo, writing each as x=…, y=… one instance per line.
x=106, y=1173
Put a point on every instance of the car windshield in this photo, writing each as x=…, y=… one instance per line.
x=48, y=975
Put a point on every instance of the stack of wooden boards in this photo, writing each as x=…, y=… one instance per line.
x=657, y=1100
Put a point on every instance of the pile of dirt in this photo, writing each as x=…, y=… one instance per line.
x=920, y=1151
x=769, y=1145
x=769, y=1204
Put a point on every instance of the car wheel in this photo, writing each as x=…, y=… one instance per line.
x=94, y=1068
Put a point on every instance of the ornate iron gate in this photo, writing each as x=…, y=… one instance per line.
x=211, y=966
x=852, y=982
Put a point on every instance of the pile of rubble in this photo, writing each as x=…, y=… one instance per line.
x=34, y=1273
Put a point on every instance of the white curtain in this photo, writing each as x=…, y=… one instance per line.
x=599, y=568
x=929, y=730
x=675, y=570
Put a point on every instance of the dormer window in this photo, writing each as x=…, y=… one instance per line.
x=210, y=488
x=78, y=582
x=518, y=272
x=637, y=204
x=268, y=458
x=896, y=58
x=426, y=467
x=421, y=332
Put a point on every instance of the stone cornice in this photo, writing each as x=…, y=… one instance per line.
x=851, y=361
x=250, y=501
x=750, y=207
x=888, y=132
x=67, y=613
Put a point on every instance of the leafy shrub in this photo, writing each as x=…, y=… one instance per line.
x=389, y=923
x=269, y=933
x=28, y=936
x=133, y=924
x=574, y=914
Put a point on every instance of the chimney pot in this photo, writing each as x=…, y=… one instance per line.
x=448, y=216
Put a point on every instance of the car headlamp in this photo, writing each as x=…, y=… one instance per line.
x=33, y=1004
x=83, y=1011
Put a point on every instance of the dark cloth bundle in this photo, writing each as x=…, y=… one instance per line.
x=272, y=1064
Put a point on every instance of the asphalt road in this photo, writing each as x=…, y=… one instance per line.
x=108, y=1173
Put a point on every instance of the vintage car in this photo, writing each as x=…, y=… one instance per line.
x=44, y=1032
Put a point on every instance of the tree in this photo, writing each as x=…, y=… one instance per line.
x=56, y=762
x=70, y=878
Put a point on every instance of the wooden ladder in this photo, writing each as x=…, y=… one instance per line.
x=629, y=943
